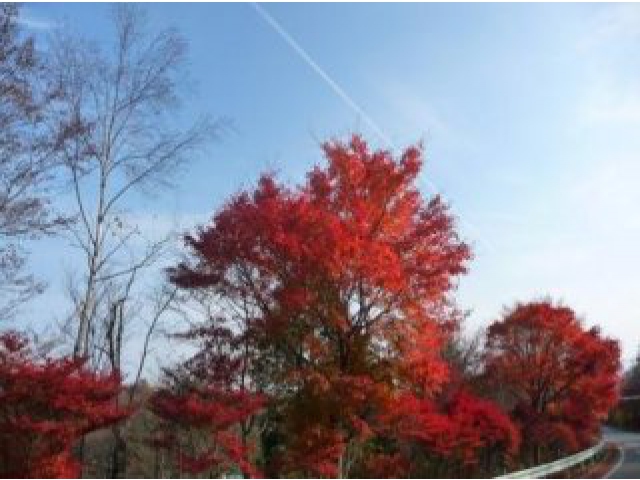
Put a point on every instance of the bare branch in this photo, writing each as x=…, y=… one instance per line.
x=27, y=159
x=117, y=132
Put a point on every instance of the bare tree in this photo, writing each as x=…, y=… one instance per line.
x=464, y=352
x=118, y=133
x=26, y=159
x=123, y=312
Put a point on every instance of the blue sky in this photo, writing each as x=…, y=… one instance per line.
x=529, y=113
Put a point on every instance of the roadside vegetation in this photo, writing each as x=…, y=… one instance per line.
x=322, y=317
x=626, y=414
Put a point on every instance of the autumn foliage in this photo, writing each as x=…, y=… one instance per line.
x=464, y=433
x=559, y=378
x=212, y=415
x=339, y=293
x=205, y=413
x=329, y=346
x=328, y=342
x=46, y=405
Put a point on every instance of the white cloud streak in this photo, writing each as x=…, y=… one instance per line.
x=613, y=22
x=337, y=89
x=36, y=23
x=347, y=99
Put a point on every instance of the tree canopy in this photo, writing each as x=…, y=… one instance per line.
x=333, y=301
x=559, y=377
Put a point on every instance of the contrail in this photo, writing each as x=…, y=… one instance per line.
x=320, y=71
x=339, y=91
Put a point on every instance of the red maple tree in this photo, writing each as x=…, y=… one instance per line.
x=340, y=291
x=46, y=406
x=211, y=416
x=482, y=432
x=206, y=411
x=559, y=377
x=460, y=432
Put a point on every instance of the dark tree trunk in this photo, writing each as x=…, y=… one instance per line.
x=118, y=464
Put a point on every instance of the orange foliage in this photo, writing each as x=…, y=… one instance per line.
x=560, y=377
x=343, y=285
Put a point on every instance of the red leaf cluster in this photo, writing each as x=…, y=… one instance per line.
x=333, y=307
x=458, y=430
x=46, y=406
x=216, y=415
x=343, y=287
x=560, y=378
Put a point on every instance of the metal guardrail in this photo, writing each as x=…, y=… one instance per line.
x=557, y=466
x=629, y=397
